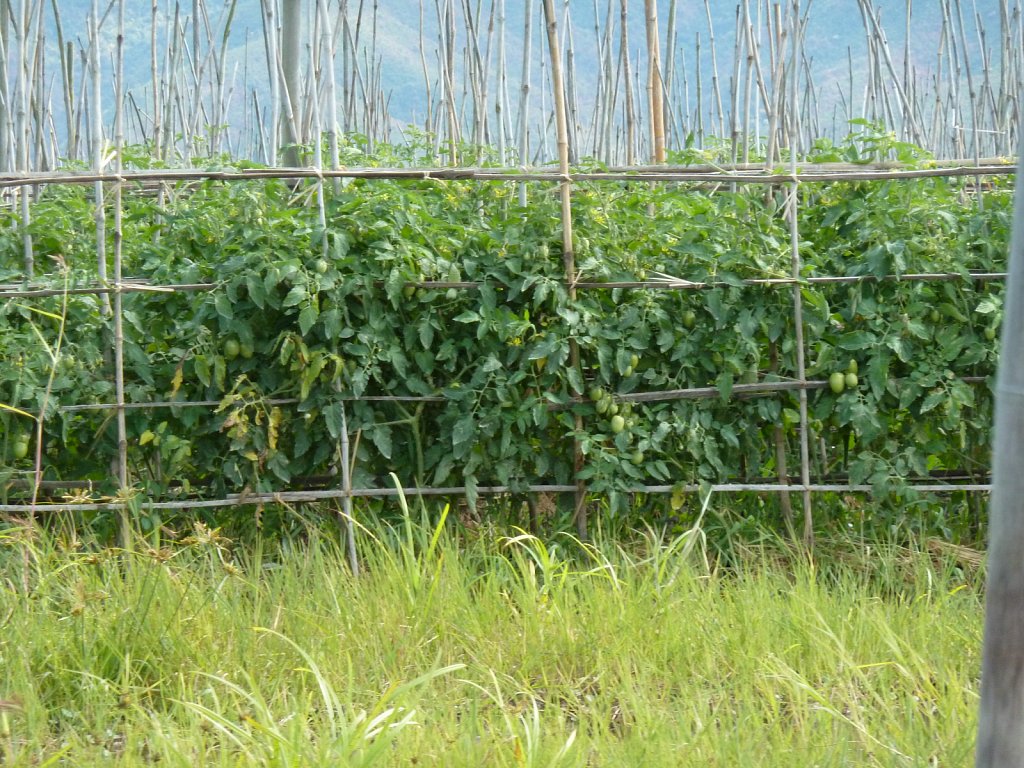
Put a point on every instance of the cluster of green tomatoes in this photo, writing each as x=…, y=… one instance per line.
x=621, y=418
x=20, y=446
x=840, y=381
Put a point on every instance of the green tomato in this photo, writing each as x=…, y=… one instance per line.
x=689, y=319
x=321, y=266
x=232, y=349
x=837, y=381
x=246, y=350
x=20, y=449
x=618, y=424
x=850, y=380
x=990, y=334
x=852, y=367
x=634, y=361
x=603, y=405
x=637, y=458
x=597, y=394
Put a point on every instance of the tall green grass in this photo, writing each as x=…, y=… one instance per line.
x=481, y=650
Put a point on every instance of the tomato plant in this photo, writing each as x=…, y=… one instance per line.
x=475, y=386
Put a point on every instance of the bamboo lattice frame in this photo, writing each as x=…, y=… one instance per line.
x=847, y=174
x=565, y=177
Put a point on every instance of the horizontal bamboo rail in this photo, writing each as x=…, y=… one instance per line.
x=16, y=292
x=296, y=497
x=703, y=174
x=692, y=393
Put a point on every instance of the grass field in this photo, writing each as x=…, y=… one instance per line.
x=473, y=649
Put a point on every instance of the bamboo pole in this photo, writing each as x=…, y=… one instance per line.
x=627, y=82
x=7, y=159
x=716, y=90
x=100, y=220
x=501, y=101
x=669, y=72
x=122, y=431
x=289, y=72
x=568, y=256
x=655, y=86
x=23, y=138
x=743, y=174
x=798, y=317
x=571, y=100
x=346, y=479
x=290, y=497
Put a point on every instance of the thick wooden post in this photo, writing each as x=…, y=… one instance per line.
x=1001, y=722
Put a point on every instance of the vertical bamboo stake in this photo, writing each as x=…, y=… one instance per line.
x=155, y=74
x=446, y=19
x=753, y=66
x=524, y=95
x=97, y=154
x=318, y=159
x=798, y=311
x=592, y=137
x=40, y=98
x=716, y=90
x=7, y=159
x=734, y=92
x=699, y=92
x=169, y=85
x=627, y=80
x=346, y=479
x=655, y=87
x=610, y=72
x=572, y=102
x=501, y=102
x=568, y=256
x=291, y=86
x=270, y=44
x=122, y=432
x=23, y=134
x=332, y=92
x=669, y=69
x=428, y=121
x=67, y=71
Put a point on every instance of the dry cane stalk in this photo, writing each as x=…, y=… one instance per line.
x=567, y=247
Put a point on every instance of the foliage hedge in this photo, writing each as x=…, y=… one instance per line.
x=323, y=314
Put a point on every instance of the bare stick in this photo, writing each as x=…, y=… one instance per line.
x=524, y=95
x=568, y=258
x=122, y=431
x=346, y=480
x=654, y=83
x=798, y=317
x=627, y=81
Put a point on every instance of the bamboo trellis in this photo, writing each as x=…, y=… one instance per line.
x=791, y=180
